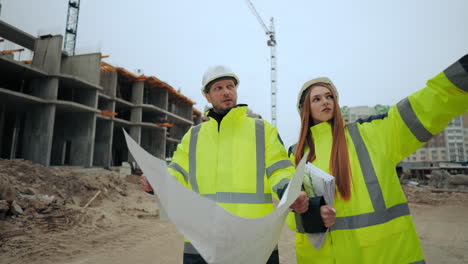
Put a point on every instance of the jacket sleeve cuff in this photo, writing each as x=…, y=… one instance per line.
x=311, y=221
x=457, y=73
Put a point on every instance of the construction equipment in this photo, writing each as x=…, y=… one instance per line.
x=270, y=32
x=71, y=26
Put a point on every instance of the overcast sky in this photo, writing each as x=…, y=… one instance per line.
x=376, y=52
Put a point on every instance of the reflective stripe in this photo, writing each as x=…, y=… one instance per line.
x=370, y=178
x=412, y=122
x=189, y=248
x=193, y=157
x=370, y=219
x=419, y=262
x=259, y=197
x=260, y=153
x=280, y=186
x=179, y=169
x=457, y=74
x=240, y=198
x=381, y=214
x=282, y=164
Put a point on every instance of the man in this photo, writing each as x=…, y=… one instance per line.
x=237, y=161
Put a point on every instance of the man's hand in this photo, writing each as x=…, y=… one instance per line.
x=301, y=205
x=145, y=185
x=328, y=215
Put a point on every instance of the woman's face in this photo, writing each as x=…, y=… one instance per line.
x=322, y=104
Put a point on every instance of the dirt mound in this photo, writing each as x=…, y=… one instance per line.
x=437, y=197
x=27, y=182
x=46, y=211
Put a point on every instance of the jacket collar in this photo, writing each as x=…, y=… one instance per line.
x=322, y=135
x=237, y=110
x=320, y=130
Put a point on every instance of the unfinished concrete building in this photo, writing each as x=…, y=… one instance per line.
x=70, y=110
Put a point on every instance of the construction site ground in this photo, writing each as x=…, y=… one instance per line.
x=121, y=224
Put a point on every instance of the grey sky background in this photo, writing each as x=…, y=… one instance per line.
x=376, y=52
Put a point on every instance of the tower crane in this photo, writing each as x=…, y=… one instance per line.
x=71, y=28
x=271, y=42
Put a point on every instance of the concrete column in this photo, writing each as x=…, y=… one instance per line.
x=108, y=81
x=40, y=119
x=38, y=134
x=83, y=141
x=165, y=100
x=103, y=143
x=136, y=114
x=137, y=92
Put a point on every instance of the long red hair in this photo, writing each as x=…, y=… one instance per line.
x=339, y=158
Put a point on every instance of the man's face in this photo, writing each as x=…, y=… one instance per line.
x=222, y=95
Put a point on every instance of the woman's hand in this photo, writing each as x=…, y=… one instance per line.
x=328, y=215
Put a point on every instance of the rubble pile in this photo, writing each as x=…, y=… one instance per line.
x=50, y=212
x=436, y=197
x=443, y=179
x=29, y=189
x=440, y=179
x=438, y=188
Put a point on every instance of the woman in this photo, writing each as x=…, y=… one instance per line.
x=373, y=223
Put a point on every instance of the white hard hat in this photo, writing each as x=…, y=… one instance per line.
x=216, y=72
x=308, y=84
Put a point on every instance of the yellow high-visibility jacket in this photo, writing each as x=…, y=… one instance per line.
x=375, y=225
x=241, y=166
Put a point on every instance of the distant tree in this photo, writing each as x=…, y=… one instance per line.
x=381, y=109
x=345, y=110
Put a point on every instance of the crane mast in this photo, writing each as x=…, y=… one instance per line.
x=270, y=32
x=71, y=28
